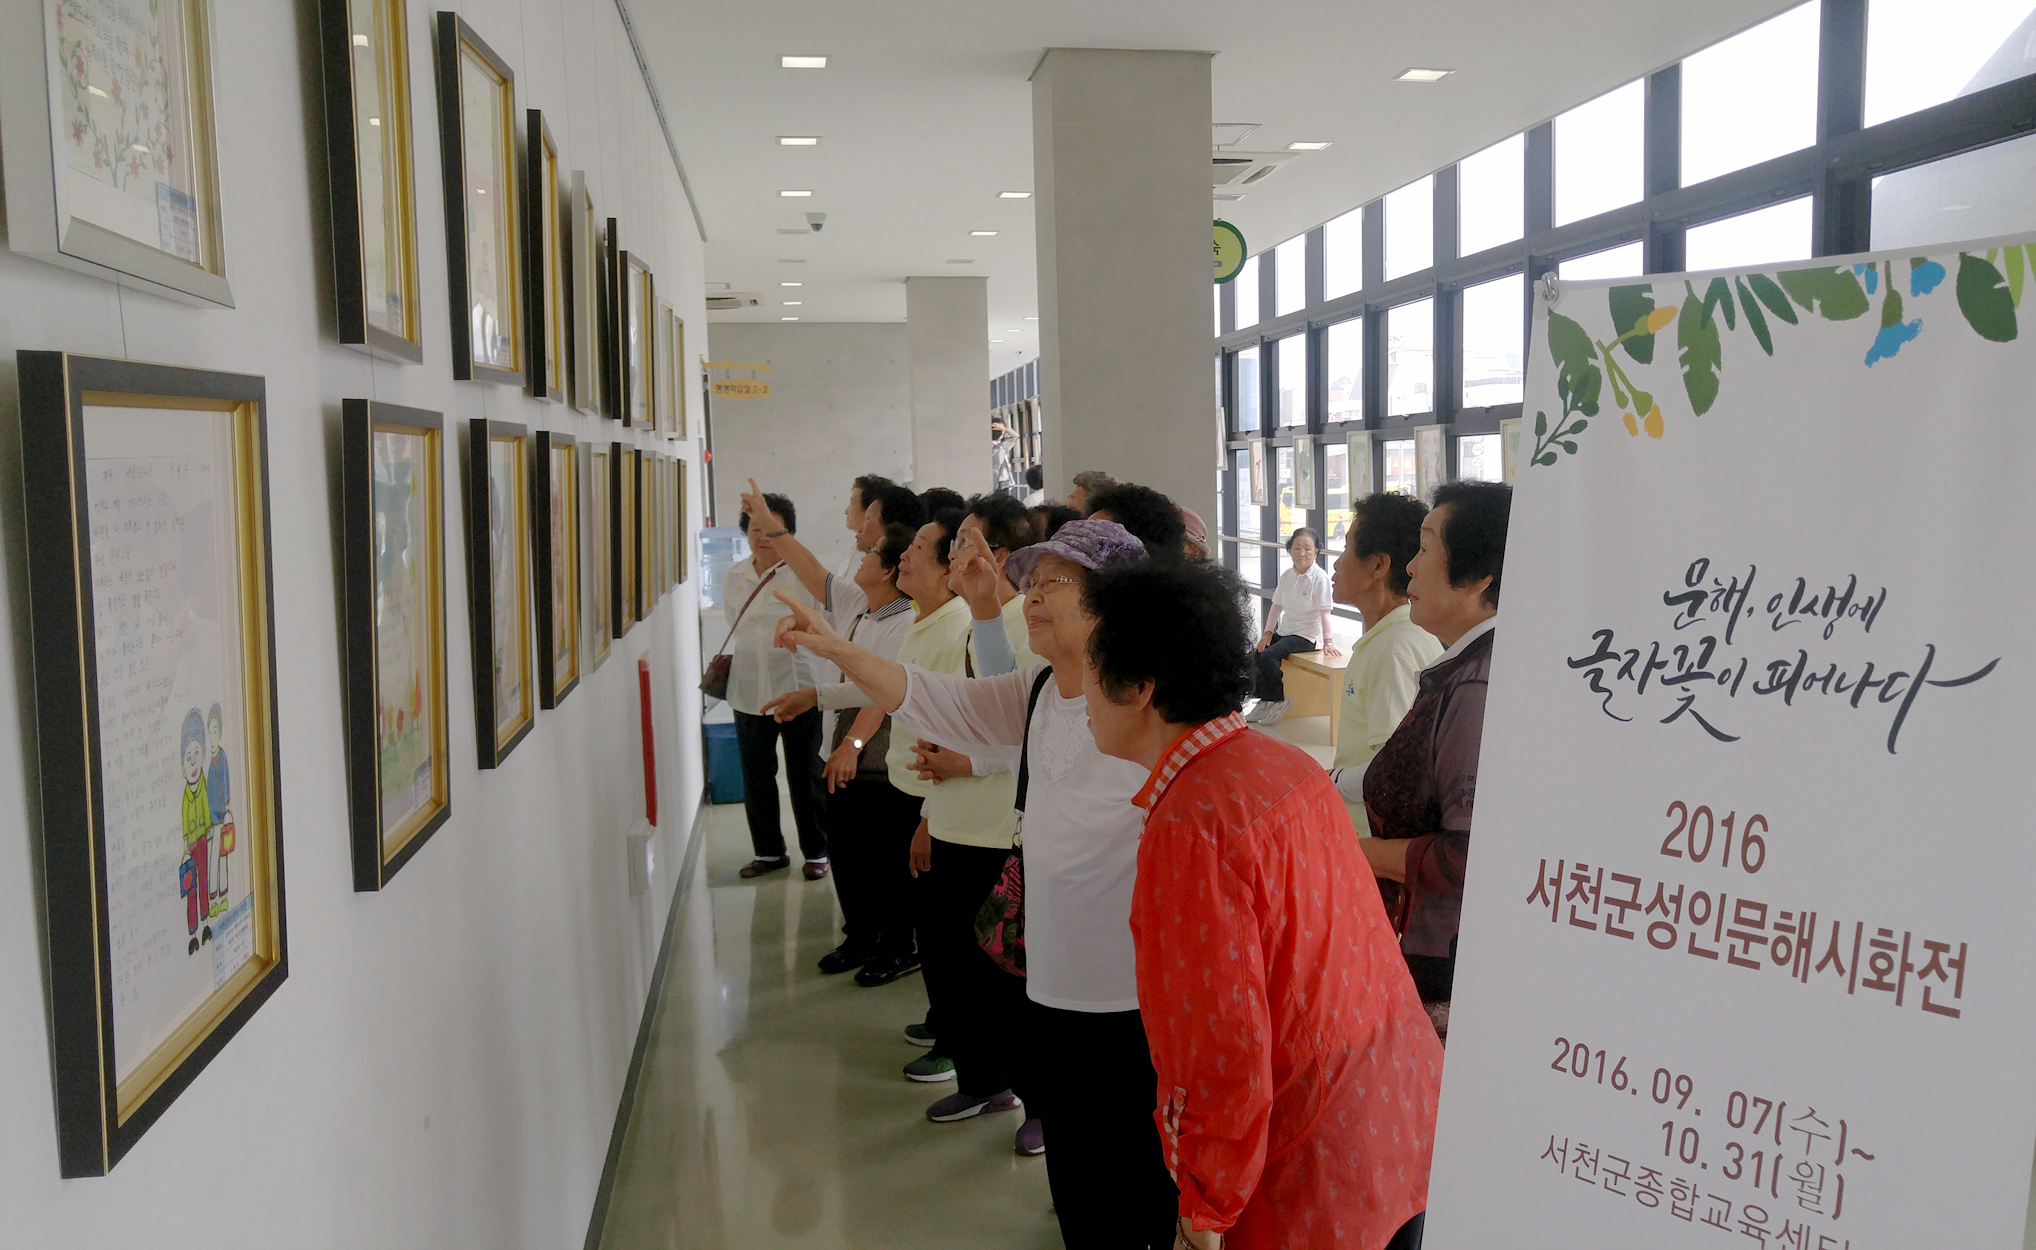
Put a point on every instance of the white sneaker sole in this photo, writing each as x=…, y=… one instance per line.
x=932, y=1080
x=928, y=1042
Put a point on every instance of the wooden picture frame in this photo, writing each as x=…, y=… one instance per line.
x=683, y=529
x=583, y=286
x=667, y=368
x=392, y=537
x=111, y=165
x=369, y=163
x=609, y=268
x=678, y=421
x=622, y=538
x=1304, y=471
x=499, y=587
x=477, y=145
x=1255, y=490
x=600, y=564
x=555, y=542
x=646, y=534
x=545, y=228
x=638, y=342
x=146, y=503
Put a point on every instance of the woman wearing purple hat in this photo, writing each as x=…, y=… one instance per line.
x=1094, y=1087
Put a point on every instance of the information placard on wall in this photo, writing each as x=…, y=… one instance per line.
x=1748, y=952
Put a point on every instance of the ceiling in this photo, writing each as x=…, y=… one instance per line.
x=924, y=115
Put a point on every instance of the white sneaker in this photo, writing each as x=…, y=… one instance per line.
x=1269, y=713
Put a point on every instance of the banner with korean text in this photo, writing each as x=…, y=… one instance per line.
x=1748, y=951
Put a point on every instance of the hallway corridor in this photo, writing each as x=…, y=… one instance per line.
x=772, y=1111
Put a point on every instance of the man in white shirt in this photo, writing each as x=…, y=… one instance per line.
x=1301, y=602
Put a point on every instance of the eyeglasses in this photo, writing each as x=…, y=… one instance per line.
x=1040, y=585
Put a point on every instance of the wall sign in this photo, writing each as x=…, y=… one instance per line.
x=741, y=388
x=1230, y=251
x=1747, y=947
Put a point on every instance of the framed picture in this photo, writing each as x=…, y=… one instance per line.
x=150, y=600
x=639, y=347
x=613, y=356
x=374, y=200
x=1430, y=469
x=683, y=529
x=399, y=770
x=477, y=137
x=545, y=226
x=555, y=513
x=667, y=368
x=622, y=539
x=1256, y=487
x=677, y=425
x=600, y=561
x=646, y=533
x=1509, y=448
x=1304, y=470
x=583, y=336
x=671, y=522
x=499, y=586
x=110, y=163
x=1357, y=462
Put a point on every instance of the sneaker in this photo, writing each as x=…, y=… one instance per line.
x=1269, y=713
x=1031, y=1138
x=758, y=867
x=919, y=1035
x=960, y=1106
x=814, y=869
x=884, y=971
x=843, y=958
x=930, y=1068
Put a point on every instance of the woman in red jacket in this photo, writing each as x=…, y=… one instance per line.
x=1297, y=1071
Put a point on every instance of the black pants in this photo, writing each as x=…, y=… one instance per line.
x=1271, y=685
x=1092, y=1082
x=869, y=832
x=756, y=740
x=1409, y=1236
x=980, y=1007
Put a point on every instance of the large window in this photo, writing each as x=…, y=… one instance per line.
x=1283, y=482
x=1248, y=390
x=1746, y=99
x=1599, y=154
x=1761, y=237
x=1494, y=339
x=1924, y=52
x=1344, y=343
x=1410, y=229
x=1336, y=484
x=1245, y=284
x=1477, y=458
x=1627, y=261
x=1290, y=276
x=1974, y=195
x=1291, y=381
x=1410, y=359
x=1399, y=458
x=1343, y=254
x=1491, y=196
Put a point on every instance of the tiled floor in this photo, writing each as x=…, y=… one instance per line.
x=771, y=1110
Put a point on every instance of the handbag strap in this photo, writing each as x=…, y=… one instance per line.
x=1025, y=747
x=763, y=581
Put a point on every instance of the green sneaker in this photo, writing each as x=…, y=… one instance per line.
x=930, y=1068
x=919, y=1035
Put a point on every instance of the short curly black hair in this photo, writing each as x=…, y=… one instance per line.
x=1175, y=625
x=1474, y=532
x=940, y=499
x=897, y=505
x=869, y=484
x=1006, y=522
x=1151, y=517
x=1387, y=523
x=787, y=511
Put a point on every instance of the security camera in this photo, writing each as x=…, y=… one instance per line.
x=816, y=220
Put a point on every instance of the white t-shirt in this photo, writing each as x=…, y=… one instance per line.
x=1080, y=830
x=1301, y=599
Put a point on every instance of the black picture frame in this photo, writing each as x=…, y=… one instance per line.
x=454, y=35
x=622, y=539
x=491, y=742
x=375, y=860
x=341, y=43
x=550, y=691
x=611, y=296
x=100, y=1116
x=546, y=294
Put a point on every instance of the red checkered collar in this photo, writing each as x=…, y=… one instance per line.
x=1190, y=744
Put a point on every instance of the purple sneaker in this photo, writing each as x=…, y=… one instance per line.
x=1031, y=1138
x=959, y=1106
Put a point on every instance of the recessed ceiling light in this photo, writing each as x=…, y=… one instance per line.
x=982, y=234
x=791, y=284
x=1307, y=145
x=788, y=319
x=795, y=195
x=996, y=340
x=1014, y=331
x=1014, y=195
x=1423, y=75
x=793, y=303
x=1032, y=318
x=802, y=62
x=798, y=141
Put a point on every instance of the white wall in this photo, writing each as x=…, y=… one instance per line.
x=443, y=1065
x=840, y=406
x=947, y=322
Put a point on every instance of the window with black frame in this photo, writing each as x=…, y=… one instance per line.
x=1875, y=124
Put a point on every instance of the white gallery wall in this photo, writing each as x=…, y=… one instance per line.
x=443, y=1066
x=840, y=406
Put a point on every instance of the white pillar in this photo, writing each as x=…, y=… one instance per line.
x=947, y=328
x=1120, y=156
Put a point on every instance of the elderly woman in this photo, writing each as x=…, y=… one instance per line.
x=1297, y=1073
x=1091, y=1082
x=1420, y=787
x=1301, y=602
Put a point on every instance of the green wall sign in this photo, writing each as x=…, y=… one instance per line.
x=1230, y=253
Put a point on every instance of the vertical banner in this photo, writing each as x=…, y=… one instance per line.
x=1748, y=953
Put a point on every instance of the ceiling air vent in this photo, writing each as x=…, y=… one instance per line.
x=1231, y=168
x=731, y=301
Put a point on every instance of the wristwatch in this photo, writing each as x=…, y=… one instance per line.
x=856, y=743
x=777, y=533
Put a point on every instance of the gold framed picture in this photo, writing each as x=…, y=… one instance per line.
x=622, y=543
x=667, y=367
x=499, y=587
x=110, y=162
x=368, y=157
x=679, y=375
x=399, y=767
x=545, y=231
x=599, y=560
x=555, y=533
x=1255, y=490
x=477, y=138
x=683, y=528
x=147, y=510
x=639, y=345
x=583, y=352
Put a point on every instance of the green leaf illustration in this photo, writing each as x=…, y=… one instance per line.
x=1771, y=295
x=1577, y=377
x=2012, y=259
x=1833, y=293
x=1891, y=306
x=1702, y=354
x=1547, y=458
x=1718, y=297
x=1540, y=424
x=1631, y=306
x=1756, y=321
x=1984, y=299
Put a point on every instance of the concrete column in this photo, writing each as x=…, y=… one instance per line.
x=1120, y=156
x=947, y=328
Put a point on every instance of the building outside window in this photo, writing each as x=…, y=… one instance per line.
x=1410, y=358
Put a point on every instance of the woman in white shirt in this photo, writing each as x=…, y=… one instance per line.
x=757, y=674
x=1302, y=602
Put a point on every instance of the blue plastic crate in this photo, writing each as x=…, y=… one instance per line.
x=724, y=764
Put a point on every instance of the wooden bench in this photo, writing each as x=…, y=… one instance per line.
x=1315, y=685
